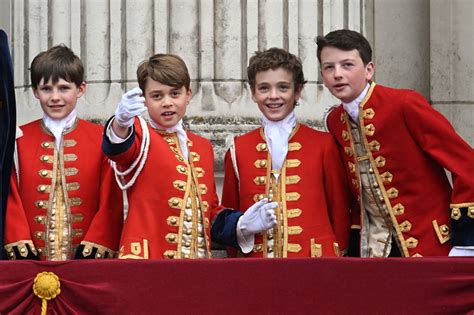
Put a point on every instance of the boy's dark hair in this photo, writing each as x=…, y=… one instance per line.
x=58, y=62
x=274, y=58
x=167, y=69
x=346, y=40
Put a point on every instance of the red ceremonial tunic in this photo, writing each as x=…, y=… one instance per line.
x=75, y=183
x=157, y=225
x=408, y=145
x=313, y=212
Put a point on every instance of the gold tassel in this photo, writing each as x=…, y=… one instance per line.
x=46, y=286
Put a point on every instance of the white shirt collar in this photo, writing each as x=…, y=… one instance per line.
x=352, y=108
x=180, y=132
x=277, y=134
x=57, y=126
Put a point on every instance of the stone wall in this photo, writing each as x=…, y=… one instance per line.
x=215, y=38
x=419, y=44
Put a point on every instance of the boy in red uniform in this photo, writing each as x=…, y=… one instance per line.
x=396, y=147
x=168, y=172
x=64, y=201
x=288, y=162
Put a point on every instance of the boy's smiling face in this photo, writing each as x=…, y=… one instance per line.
x=275, y=93
x=58, y=99
x=166, y=104
x=344, y=73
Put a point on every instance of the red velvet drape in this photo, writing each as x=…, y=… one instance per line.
x=246, y=286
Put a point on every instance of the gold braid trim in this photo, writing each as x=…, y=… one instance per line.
x=101, y=250
x=21, y=248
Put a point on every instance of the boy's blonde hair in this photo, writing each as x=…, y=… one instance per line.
x=168, y=69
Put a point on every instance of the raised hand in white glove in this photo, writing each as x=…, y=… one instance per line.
x=131, y=105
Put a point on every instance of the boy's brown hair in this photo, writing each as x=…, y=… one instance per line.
x=58, y=62
x=167, y=69
x=345, y=40
x=274, y=58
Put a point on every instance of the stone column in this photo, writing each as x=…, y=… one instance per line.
x=215, y=38
x=401, y=44
x=452, y=63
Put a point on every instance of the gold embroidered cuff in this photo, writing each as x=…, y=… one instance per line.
x=22, y=249
x=101, y=250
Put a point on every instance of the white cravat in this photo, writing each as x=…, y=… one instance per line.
x=182, y=136
x=277, y=134
x=352, y=108
x=57, y=126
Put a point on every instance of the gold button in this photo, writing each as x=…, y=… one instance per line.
x=87, y=251
x=187, y=244
x=23, y=250
x=41, y=204
x=98, y=255
x=263, y=146
x=45, y=144
x=189, y=218
x=11, y=254
x=168, y=139
x=175, y=202
x=42, y=188
x=51, y=238
x=471, y=211
x=180, y=185
x=44, y=172
x=444, y=229
x=173, y=221
x=270, y=249
x=40, y=251
x=52, y=226
x=371, y=170
x=171, y=237
x=186, y=256
x=263, y=163
x=45, y=158
x=52, y=252
x=376, y=185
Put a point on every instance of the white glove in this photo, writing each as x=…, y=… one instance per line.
x=461, y=251
x=131, y=105
x=258, y=218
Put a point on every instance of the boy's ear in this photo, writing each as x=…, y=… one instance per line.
x=81, y=89
x=189, y=94
x=298, y=93
x=369, y=71
x=35, y=92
